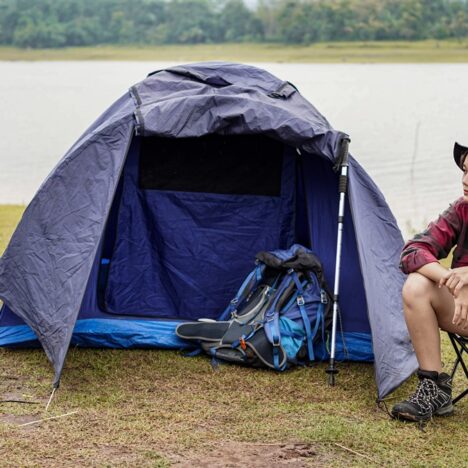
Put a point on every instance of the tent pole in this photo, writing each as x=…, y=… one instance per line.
x=343, y=184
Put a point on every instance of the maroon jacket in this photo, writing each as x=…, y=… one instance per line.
x=438, y=239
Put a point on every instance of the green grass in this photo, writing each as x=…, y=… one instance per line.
x=9, y=217
x=334, y=52
x=152, y=408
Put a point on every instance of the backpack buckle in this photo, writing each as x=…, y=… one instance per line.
x=300, y=300
x=276, y=340
x=323, y=297
x=269, y=318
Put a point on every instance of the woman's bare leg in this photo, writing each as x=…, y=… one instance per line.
x=427, y=308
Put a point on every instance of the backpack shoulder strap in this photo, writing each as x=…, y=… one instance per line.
x=305, y=318
x=253, y=278
x=272, y=325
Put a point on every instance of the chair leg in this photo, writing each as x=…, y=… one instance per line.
x=460, y=347
x=460, y=350
x=459, y=397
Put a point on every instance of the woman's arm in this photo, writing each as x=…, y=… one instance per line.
x=434, y=271
x=433, y=244
x=439, y=274
x=453, y=279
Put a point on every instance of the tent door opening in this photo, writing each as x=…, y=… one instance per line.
x=187, y=220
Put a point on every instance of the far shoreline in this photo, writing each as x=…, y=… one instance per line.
x=430, y=51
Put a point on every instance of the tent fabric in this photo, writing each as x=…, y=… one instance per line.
x=91, y=211
x=245, y=106
x=45, y=268
x=379, y=243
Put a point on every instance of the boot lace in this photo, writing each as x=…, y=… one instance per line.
x=428, y=396
x=425, y=394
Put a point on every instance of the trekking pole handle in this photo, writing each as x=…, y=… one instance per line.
x=343, y=150
x=343, y=161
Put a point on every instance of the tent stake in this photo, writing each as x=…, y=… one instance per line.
x=50, y=398
x=343, y=183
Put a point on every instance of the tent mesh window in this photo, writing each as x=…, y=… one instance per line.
x=237, y=165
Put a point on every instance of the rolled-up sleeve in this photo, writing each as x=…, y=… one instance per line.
x=434, y=243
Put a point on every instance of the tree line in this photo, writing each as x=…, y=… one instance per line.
x=61, y=23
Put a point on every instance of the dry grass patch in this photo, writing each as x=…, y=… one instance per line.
x=157, y=407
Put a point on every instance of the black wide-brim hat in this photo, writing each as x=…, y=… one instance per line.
x=458, y=152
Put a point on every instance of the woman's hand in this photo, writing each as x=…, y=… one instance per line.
x=454, y=280
x=460, y=317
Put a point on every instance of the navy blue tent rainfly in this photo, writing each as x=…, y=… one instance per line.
x=156, y=213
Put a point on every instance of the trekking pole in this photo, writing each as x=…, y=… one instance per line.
x=343, y=184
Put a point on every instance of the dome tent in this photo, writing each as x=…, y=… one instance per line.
x=156, y=213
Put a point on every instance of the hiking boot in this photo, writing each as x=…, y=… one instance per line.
x=433, y=397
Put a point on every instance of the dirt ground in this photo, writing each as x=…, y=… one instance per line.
x=235, y=454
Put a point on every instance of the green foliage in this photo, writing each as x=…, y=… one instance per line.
x=238, y=23
x=59, y=23
x=338, y=20
x=191, y=22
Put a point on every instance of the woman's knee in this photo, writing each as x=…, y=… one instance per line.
x=416, y=288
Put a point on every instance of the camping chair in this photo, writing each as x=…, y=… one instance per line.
x=460, y=344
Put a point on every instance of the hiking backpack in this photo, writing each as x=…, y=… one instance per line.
x=281, y=310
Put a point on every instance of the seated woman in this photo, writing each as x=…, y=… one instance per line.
x=436, y=297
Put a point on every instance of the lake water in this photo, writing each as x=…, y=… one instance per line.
x=402, y=119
